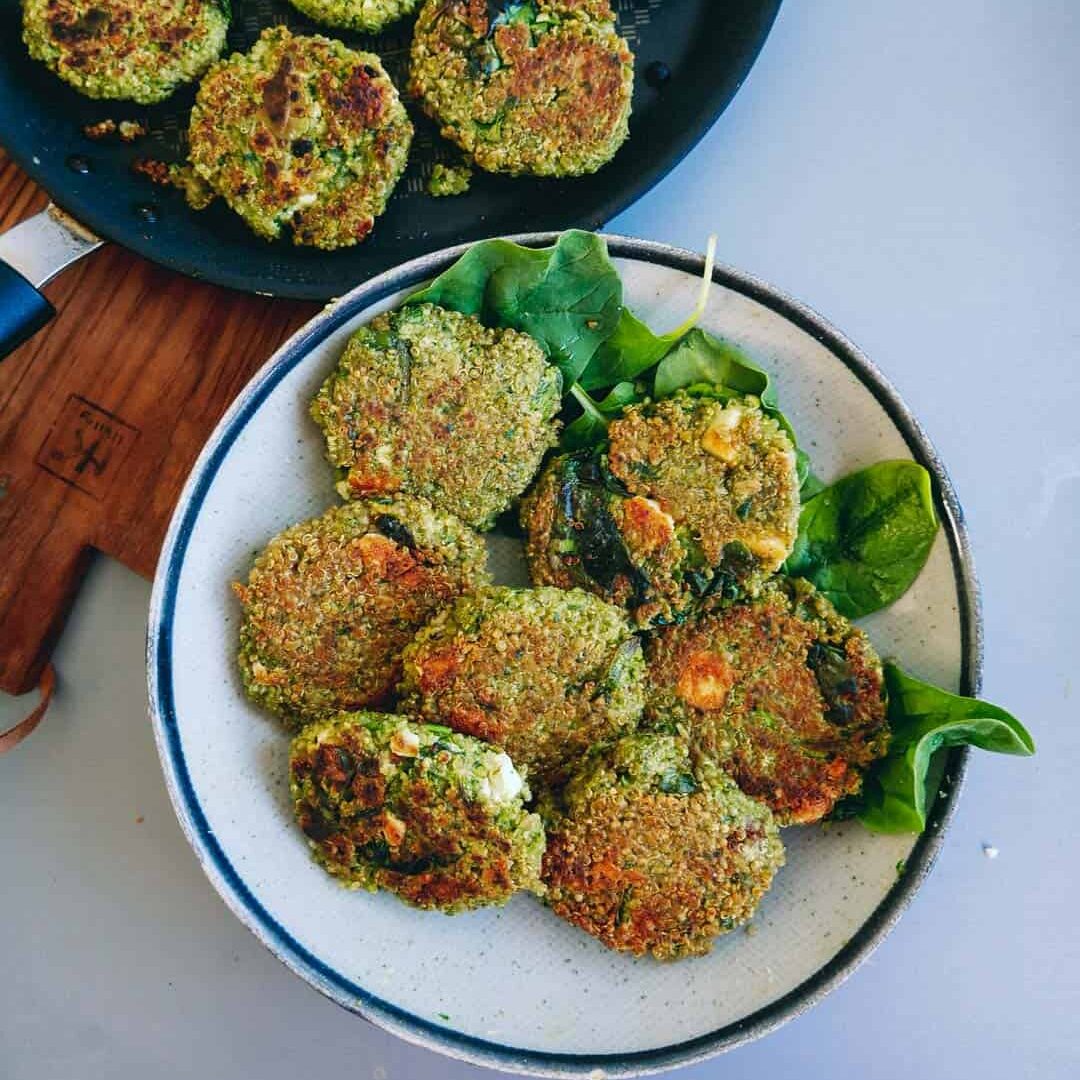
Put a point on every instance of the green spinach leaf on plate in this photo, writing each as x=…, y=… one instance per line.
x=699, y=364
x=924, y=719
x=630, y=352
x=634, y=349
x=863, y=540
x=701, y=361
x=706, y=366
x=568, y=296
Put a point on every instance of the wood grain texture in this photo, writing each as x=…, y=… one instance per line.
x=101, y=417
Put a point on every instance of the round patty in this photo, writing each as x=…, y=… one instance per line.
x=125, y=49
x=368, y=16
x=694, y=499
x=430, y=401
x=301, y=134
x=539, y=87
x=434, y=816
x=783, y=692
x=651, y=855
x=543, y=673
x=330, y=603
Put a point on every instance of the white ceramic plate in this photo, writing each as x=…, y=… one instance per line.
x=517, y=988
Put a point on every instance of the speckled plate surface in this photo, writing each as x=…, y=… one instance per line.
x=517, y=988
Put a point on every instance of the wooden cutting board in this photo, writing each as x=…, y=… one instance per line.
x=101, y=417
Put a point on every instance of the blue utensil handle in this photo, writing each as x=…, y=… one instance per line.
x=23, y=310
x=32, y=253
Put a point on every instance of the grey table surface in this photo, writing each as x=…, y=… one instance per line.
x=909, y=170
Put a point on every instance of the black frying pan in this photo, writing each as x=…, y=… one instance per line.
x=692, y=56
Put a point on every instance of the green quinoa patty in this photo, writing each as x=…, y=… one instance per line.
x=330, y=603
x=652, y=855
x=368, y=16
x=301, y=134
x=543, y=673
x=434, y=816
x=125, y=49
x=431, y=401
x=693, y=498
x=783, y=692
x=542, y=87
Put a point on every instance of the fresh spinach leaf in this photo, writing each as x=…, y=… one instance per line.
x=703, y=365
x=591, y=426
x=464, y=286
x=924, y=719
x=568, y=296
x=628, y=353
x=633, y=349
x=863, y=540
x=701, y=361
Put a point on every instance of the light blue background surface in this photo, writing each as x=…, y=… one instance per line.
x=910, y=171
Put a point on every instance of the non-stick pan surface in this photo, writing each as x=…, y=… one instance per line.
x=705, y=48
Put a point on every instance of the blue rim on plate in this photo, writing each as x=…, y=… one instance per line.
x=355, y=998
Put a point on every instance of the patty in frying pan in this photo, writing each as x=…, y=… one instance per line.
x=368, y=16
x=542, y=87
x=301, y=135
x=125, y=49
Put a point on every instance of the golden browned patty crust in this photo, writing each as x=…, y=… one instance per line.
x=124, y=49
x=419, y=810
x=330, y=603
x=367, y=16
x=781, y=691
x=652, y=855
x=543, y=673
x=540, y=87
x=433, y=402
x=694, y=499
x=301, y=134
x=724, y=471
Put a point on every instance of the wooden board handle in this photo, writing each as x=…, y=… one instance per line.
x=42, y=560
x=103, y=413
